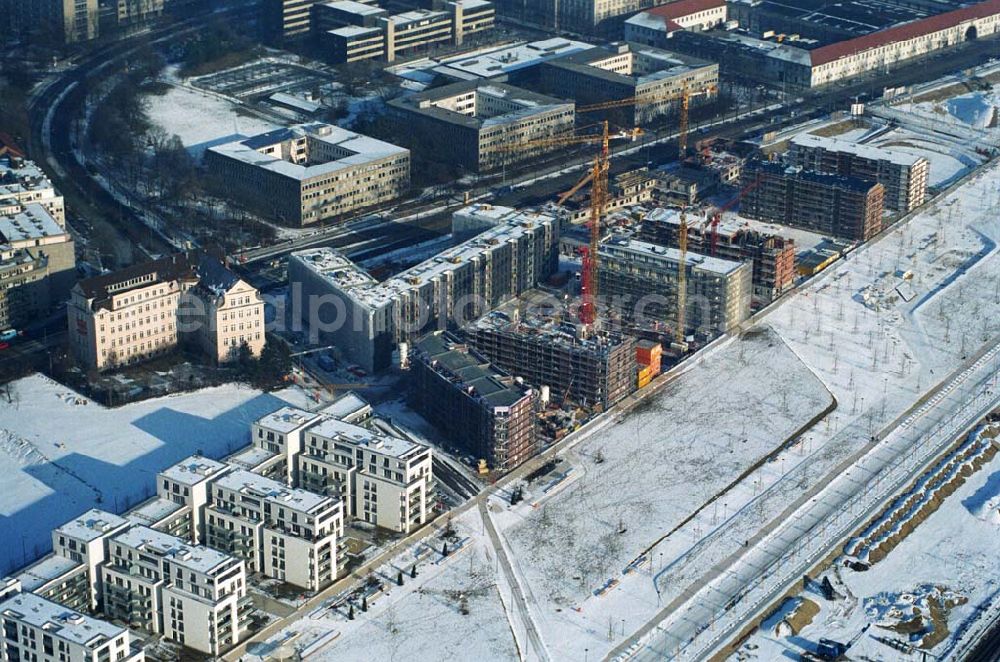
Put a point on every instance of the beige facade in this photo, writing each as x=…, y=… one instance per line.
x=307, y=173
x=143, y=311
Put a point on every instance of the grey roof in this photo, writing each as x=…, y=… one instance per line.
x=249, y=483
x=287, y=419
x=44, y=571
x=529, y=103
x=193, y=470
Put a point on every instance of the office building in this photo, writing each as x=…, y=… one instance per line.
x=52, y=23
x=307, y=173
x=483, y=125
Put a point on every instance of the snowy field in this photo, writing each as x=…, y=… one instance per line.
x=951, y=557
x=202, y=119
x=452, y=611
x=61, y=454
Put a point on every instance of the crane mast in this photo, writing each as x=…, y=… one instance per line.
x=598, y=202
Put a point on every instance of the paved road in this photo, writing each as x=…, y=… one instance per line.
x=537, y=647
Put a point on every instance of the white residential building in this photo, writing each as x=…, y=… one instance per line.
x=284, y=533
x=384, y=480
x=37, y=629
x=84, y=540
x=193, y=595
x=281, y=433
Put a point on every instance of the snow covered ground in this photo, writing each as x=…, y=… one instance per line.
x=61, y=454
x=452, y=610
x=202, y=119
x=951, y=554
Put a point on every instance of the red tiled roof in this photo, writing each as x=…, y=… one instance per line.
x=928, y=25
x=682, y=8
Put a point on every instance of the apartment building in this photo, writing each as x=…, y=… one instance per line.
x=282, y=433
x=481, y=408
x=483, y=125
x=641, y=281
x=832, y=205
x=350, y=31
x=459, y=284
x=656, y=78
x=284, y=533
x=84, y=540
x=285, y=21
x=145, y=310
x=382, y=478
x=903, y=175
x=22, y=183
x=52, y=22
x=125, y=13
x=306, y=173
x=772, y=256
x=193, y=595
x=38, y=629
x=541, y=341
x=37, y=265
x=182, y=493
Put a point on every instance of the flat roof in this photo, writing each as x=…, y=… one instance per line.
x=374, y=440
x=193, y=470
x=354, y=282
x=356, y=149
x=246, y=482
x=346, y=406
x=526, y=103
x=287, y=419
x=352, y=7
x=153, y=511
x=198, y=558
x=706, y=263
x=469, y=370
x=91, y=525
x=502, y=60
x=35, y=222
x=834, y=144
x=59, y=621
x=46, y=570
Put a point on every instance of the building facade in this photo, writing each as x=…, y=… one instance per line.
x=144, y=311
x=483, y=125
x=368, y=320
x=53, y=22
x=307, y=173
x=641, y=281
x=284, y=533
x=38, y=629
x=904, y=176
x=833, y=205
x=479, y=407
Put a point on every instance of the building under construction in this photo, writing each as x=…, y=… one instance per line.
x=772, y=256
x=541, y=339
x=482, y=409
x=829, y=204
x=641, y=281
x=903, y=175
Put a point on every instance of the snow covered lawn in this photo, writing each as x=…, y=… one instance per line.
x=61, y=454
x=201, y=119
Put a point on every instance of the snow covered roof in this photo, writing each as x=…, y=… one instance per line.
x=373, y=440
x=621, y=246
x=154, y=511
x=352, y=149
x=91, y=525
x=871, y=152
x=434, y=102
x=502, y=60
x=287, y=419
x=60, y=622
x=346, y=406
x=35, y=222
x=49, y=569
x=191, y=557
x=253, y=484
x=193, y=470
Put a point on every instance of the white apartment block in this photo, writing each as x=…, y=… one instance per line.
x=38, y=630
x=384, y=480
x=281, y=433
x=195, y=596
x=284, y=533
x=23, y=183
x=306, y=173
x=145, y=310
x=84, y=540
x=183, y=491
